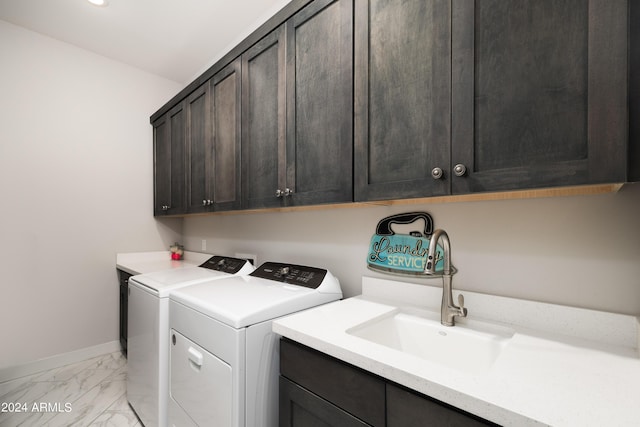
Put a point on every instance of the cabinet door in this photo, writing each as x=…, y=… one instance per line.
x=402, y=98
x=301, y=408
x=123, y=278
x=169, y=162
x=199, y=148
x=227, y=104
x=319, y=103
x=352, y=390
x=161, y=166
x=263, y=121
x=408, y=409
x=539, y=93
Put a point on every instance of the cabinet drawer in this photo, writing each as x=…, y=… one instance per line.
x=408, y=409
x=301, y=408
x=357, y=392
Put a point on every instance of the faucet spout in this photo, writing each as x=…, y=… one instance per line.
x=448, y=309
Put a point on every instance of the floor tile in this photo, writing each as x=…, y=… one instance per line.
x=87, y=393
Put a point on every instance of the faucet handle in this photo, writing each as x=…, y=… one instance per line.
x=463, y=310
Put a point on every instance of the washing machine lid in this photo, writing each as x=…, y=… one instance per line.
x=160, y=283
x=246, y=300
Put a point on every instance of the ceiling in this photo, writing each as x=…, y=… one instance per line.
x=174, y=39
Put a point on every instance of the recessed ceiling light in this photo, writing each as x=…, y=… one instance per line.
x=98, y=2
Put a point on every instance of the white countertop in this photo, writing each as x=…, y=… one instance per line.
x=563, y=366
x=148, y=262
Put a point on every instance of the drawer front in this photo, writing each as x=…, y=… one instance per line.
x=301, y=408
x=408, y=409
x=357, y=392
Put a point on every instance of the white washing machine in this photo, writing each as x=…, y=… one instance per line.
x=224, y=357
x=148, y=330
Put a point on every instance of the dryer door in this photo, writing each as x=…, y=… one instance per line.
x=200, y=383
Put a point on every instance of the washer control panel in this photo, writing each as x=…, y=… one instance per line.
x=301, y=275
x=224, y=264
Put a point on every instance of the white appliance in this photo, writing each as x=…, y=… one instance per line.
x=148, y=330
x=224, y=357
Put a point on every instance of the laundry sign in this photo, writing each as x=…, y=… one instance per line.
x=390, y=252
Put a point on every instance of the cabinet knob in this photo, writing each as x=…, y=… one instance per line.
x=165, y=208
x=460, y=169
x=437, y=173
x=288, y=192
x=279, y=193
x=204, y=203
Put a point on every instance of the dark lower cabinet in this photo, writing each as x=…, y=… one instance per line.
x=123, y=278
x=319, y=390
x=406, y=408
x=301, y=408
x=351, y=389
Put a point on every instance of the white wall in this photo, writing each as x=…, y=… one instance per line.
x=581, y=251
x=75, y=189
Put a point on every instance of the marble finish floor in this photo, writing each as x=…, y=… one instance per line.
x=87, y=393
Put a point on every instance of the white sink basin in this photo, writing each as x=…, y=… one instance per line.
x=471, y=347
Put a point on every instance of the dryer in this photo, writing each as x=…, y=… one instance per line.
x=224, y=357
x=148, y=330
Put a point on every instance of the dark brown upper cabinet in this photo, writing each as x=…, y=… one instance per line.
x=227, y=115
x=169, y=136
x=332, y=101
x=402, y=97
x=488, y=95
x=319, y=149
x=297, y=110
x=539, y=94
x=263, y=121
x=213, y=143
x=198, y=149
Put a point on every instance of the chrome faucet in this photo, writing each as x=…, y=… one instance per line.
x=448, y=310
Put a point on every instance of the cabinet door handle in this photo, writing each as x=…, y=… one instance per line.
x=279, y=193
x=166, y=208
x=288, y=192
x=437, y=173
x=460, y=169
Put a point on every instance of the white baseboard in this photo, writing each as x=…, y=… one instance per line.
x=13, y=372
